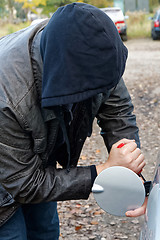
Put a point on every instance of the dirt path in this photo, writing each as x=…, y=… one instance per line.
x=82, y=220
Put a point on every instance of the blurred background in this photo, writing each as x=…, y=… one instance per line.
x=17, y=14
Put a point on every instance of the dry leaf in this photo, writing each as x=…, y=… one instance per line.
x=94, y=223
x=123, y=221
x=98, y=213
x=97, y=151
x=78, y=205
x=77, y=228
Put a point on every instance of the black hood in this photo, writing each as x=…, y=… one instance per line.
x=82, y=53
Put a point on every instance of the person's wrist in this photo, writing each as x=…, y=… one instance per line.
x=101, y=167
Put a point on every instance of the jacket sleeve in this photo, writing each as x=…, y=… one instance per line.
x=116, y=118
x=22, y=174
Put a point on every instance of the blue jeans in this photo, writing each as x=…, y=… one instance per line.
x=32, y=222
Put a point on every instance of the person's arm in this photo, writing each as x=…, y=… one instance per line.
x=21, y=170
x=116, y=118
x=117, y=121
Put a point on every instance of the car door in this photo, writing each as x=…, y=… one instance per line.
x=151, y=227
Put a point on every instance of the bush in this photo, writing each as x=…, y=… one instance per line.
x=138, y=25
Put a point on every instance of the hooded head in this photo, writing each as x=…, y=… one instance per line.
x=82, y=55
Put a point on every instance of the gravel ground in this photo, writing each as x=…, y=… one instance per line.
x=84, y=219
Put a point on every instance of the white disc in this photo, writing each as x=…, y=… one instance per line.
x=117, y=190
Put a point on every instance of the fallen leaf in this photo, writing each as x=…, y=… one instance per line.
x=94, y=222
x=98, y=151
x=77, y=228
x=78, y=205
x=97, y=213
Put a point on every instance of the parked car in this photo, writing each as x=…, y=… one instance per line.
x=118, y=18
x=151, y=227
x=155, y=26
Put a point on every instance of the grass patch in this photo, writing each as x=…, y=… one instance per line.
x=138, y=25
x=9, y=28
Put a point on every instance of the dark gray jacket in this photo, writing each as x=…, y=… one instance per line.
x=28, y=133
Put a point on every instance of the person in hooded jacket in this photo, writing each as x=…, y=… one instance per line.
x=55, y=78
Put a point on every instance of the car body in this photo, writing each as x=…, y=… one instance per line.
x=155, y=26
x=151, y=227
x=118, y=18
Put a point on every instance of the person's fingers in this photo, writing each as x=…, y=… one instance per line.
x=138, y=160
x=130, y=147
x=141, y=166
x=137, y=156
x=139, y=211
x=136, y=153
x=125, y=153
x=135, y=213
x=124, y=141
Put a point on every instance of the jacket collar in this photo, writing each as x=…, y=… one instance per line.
x=48, y=114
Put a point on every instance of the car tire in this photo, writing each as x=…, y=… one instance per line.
x=154, y=36
x=124, y=37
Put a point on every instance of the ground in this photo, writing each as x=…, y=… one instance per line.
x=82, y=220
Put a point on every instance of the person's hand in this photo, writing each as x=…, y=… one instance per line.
x=139, y=211
x=128, y=156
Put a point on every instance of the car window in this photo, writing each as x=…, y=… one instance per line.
x=115, y=14
x=158, y=16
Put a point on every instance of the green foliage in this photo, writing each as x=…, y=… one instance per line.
x=7, y=8
x=153, y=4
x=20, y=11
x=2, y=8
x=100, y=3
x=2, y=4
x=138, y=25
x=62, y=2
x=31, y=4
x=52, y=5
